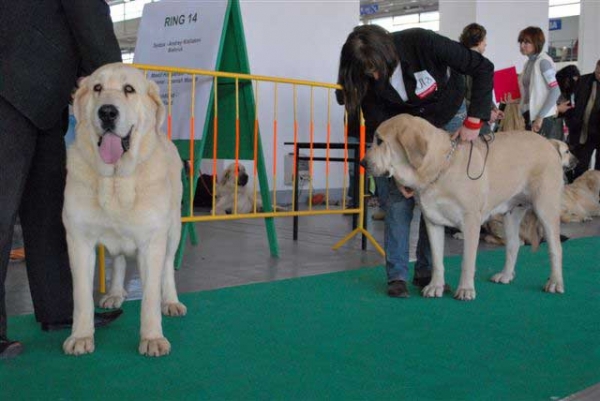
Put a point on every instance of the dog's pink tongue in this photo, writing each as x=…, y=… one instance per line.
x=111, y=149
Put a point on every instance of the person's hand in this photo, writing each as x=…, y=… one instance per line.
x=407, y=192
x=496, y=115
x=466, y=134
x=507, y=99
x=563, y=107
x=537, y=124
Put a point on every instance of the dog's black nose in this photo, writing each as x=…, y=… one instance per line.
x=364, y=163
x=108, y=114
x=242, y=179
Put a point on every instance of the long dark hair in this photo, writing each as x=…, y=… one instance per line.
x=567, y=79
x=368, y=49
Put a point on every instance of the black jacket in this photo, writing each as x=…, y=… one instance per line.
x=446, y=61
x=574, y=116
x=44, y=46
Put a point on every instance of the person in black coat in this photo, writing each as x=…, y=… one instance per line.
x=418, y=72
x=583, y=121
x=45, y=46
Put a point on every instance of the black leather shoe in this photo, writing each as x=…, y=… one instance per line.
x=422, y=282
x=10, y=349
x=101, y=319
x=397, y=289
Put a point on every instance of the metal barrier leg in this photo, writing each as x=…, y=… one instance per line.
x=295, y=201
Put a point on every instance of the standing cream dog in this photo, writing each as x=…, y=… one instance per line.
x=123, y=191
x=522, y=171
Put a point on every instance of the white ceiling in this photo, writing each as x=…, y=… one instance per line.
x=388, y=8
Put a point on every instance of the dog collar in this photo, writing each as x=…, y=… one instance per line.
x=454, y=144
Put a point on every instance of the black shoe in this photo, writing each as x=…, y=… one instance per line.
x=422, y=282
x=397, y=289
x=10, y=349
x=101, y=319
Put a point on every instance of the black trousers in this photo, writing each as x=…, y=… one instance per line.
x=32, y=182
x=583, y=153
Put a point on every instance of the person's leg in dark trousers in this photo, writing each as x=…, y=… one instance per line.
x=44, y=235
x=17, y=144
x=583, y=153
x=32, y=181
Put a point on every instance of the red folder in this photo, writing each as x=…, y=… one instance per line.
x=505, y=82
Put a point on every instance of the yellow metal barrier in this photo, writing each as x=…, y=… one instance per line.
x=295, y=83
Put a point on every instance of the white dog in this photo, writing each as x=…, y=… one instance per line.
x=227, y=192
x=521, y=172
x=123, y=191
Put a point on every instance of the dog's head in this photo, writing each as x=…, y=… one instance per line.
x=567, y=159
x=119, y=112
x=404, y=147
x=228, y=177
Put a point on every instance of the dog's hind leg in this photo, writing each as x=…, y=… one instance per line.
x=466, y=286
x=116, y=294
x=170, y=302
x=550, y=218
x=512, y=223
x=435, y=288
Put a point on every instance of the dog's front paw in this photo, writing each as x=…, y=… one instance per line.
x=465, y=294
x=502, y=277
x=112, y=300
x=174, y=309
x=78, y=345
x=554, y=286
x=154, y=346
x=432, y=290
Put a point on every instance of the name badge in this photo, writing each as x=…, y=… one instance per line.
x=425, y=84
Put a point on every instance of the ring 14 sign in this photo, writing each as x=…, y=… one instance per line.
x=181, y=19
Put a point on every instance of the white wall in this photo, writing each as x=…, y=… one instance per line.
x=503, y=22
x=589, y=32
x=300, y=40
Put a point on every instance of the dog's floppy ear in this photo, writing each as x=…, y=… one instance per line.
x=414, y=144
x=225, y=177
x=80, y=98
x=154, y=94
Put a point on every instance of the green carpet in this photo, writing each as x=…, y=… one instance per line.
x=339, y=337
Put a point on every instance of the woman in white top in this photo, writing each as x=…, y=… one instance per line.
x=539, y=89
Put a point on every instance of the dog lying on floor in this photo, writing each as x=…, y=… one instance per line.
x=123, y=190
x=522, y=172
x=226, y=192
x=580, y=198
